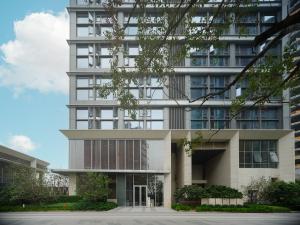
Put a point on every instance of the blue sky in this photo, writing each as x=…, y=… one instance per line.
x=37, y=113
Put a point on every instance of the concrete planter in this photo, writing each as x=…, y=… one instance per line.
x=222, y=201
x=191, y=202
x=226, y=201
x=219, y=201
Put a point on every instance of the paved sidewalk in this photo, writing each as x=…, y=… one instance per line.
x=136, y=216
x=142, y=210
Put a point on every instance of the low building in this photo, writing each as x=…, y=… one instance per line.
x=10, y=158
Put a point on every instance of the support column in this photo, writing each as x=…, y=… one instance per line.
x=234, y=160
x=184, y=166
x=72, y=184
x=187, y=159
x=168, y=177
x=286, y=156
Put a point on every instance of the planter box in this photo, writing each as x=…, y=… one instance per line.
x=232, y=201
x=214, y=201
x=204, y=201
x=219, y=201
x=191, y=202
x=226, y=201
x=240, y=201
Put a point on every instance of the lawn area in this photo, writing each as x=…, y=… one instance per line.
x=62, y=206
x=249, y=208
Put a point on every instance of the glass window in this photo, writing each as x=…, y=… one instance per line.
x=107, y=114
x=82, y=125
x=199, y=118
x=157, y=114
x=105, y=63
x=155, y=125
x=198, y=86
x=106, y=125
x=82, y=2
x=135, y=93
x=82, y=50
x=85, y=94
x=134, y=124
x=258, y=154
x=83, y=63
x=83, y=31
x=198, y=124
x=82, y=114
x=84, y=82
x=131, y=30
x=133, y=51
x=104, y=31
x=82, y=18
x=199, y=114
x=105, y=51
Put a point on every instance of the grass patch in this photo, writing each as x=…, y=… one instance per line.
x=249, y=208
x=61, y=206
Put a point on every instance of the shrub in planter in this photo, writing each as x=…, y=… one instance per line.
x=190, y=193
x=98, y=206
x=219, y=191
x=195, y=195
x=181, y=207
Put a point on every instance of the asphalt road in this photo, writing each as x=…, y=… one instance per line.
x=147, y=218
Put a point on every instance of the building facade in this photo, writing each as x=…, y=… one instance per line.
x=144, y=157
x=294, y=39
x=10, y=158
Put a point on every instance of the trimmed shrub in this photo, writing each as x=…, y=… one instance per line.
x=219, y=191
x=181, y=207
x=253, y=208
x=98, y=206
x=190, y=193
x=194, y=192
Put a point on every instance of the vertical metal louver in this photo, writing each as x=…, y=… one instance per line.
x=177, y=87
x=176, y=118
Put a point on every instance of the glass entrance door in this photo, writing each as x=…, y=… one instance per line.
x=140, y=195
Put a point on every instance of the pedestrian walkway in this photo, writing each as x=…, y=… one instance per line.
x=142, y=210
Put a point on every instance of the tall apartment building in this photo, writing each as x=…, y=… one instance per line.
x=144, y=158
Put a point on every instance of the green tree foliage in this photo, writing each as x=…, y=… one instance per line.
x=93, y=187
x=283, y=194
x=279, y=193
x=171, y=34
x=27, y=185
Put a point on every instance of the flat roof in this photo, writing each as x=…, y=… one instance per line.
x=21, y=155
x=70, y=171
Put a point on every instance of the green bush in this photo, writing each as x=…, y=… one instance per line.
x=98, y=206
x=190, y=192
x=219, y=191
x=253, y=208
x=181, y=207
x=283, y=194
x=194, y=192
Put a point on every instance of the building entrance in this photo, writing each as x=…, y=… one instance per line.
x=140, y=195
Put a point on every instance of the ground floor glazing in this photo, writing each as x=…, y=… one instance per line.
x=134, y=190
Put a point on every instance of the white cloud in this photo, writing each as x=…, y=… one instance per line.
x=21, y=143
x=38, y=57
